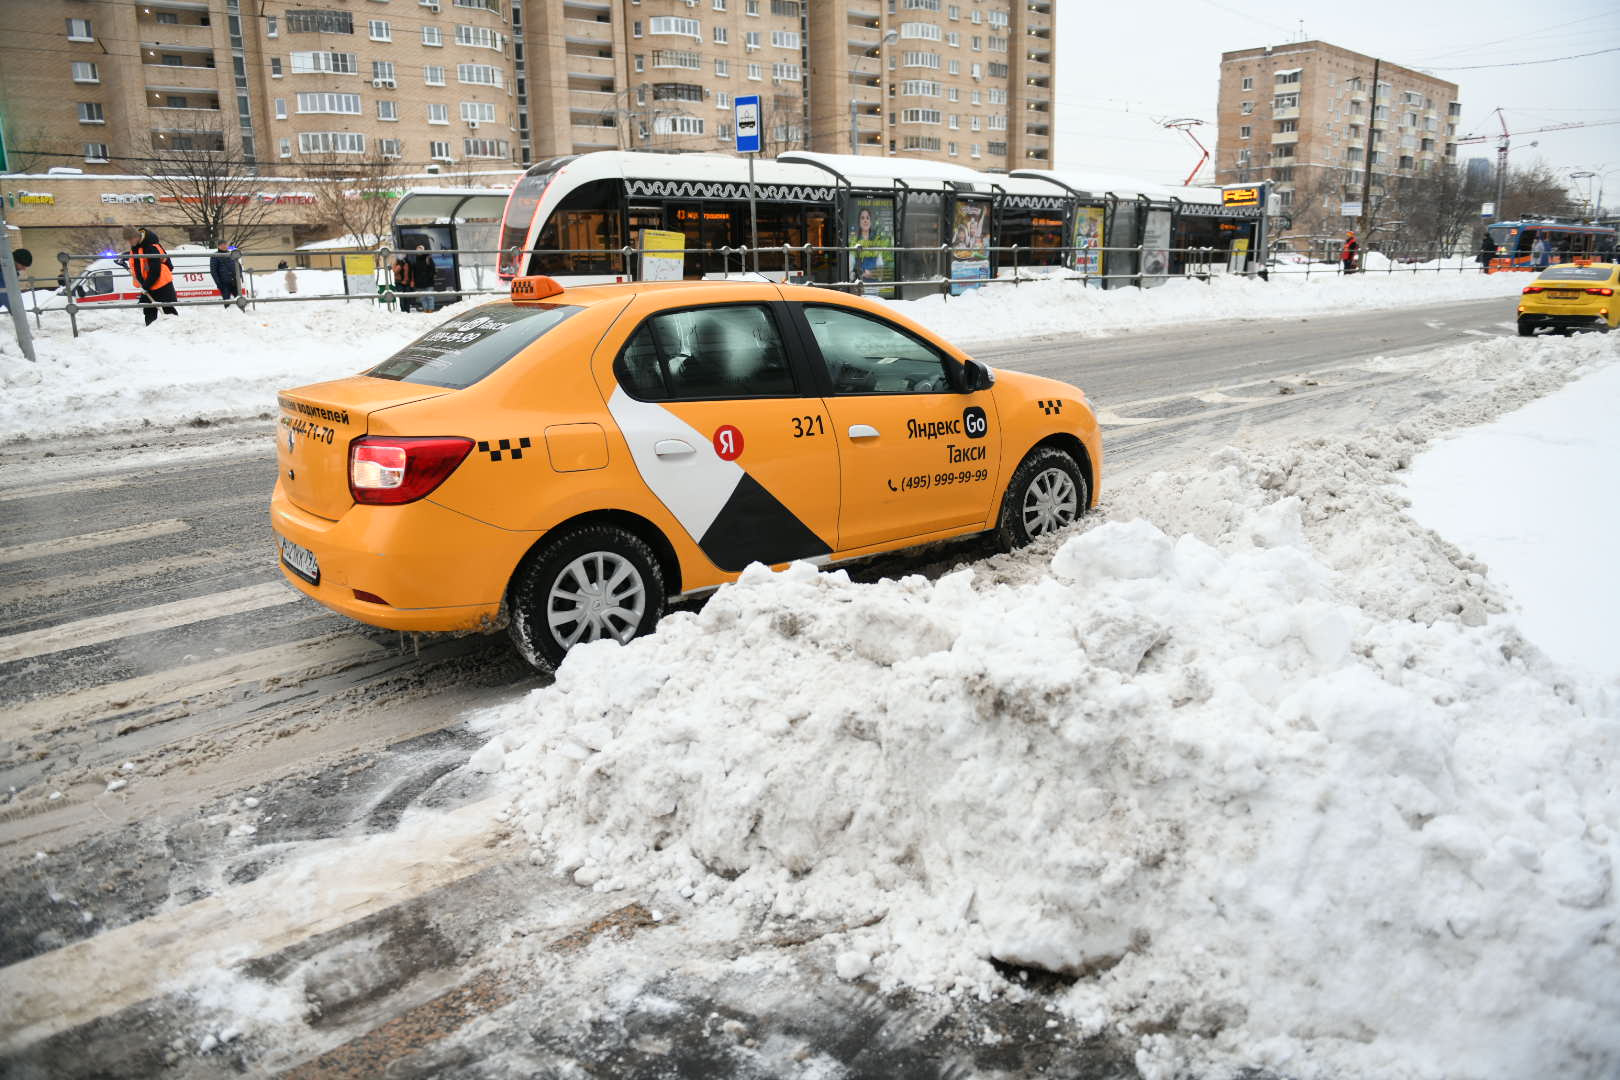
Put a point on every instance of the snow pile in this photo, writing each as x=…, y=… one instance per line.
x=1248, y=758
x=1070, y=307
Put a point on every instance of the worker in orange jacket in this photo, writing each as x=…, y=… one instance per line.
x=154, y=273
x=1351, y=249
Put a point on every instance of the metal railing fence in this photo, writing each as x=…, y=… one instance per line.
x=934, y=270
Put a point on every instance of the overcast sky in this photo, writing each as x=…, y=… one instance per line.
x=1121, y=68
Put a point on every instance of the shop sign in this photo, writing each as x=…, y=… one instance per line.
x=1240, y=196
x=35, y=198
x=114, y=198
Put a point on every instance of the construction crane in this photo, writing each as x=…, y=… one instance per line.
x=1185, y=125
x=1505, y=140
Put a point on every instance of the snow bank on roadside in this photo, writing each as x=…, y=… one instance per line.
x=1251, y=755
x=215, y=364
x=1069, y=307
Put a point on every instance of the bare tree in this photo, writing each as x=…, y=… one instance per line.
x=356, y=196
x=203, y=181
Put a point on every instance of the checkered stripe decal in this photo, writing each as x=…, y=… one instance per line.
x=504, y=446
x=1050, y=406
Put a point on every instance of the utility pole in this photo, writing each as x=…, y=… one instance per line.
x=1366, y=178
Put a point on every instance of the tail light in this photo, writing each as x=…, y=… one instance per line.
x=1528, y=289
x=387, y=471
x=1599, y=292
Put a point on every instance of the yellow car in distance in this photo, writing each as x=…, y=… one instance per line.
x=568, y=460
x=1569, y=297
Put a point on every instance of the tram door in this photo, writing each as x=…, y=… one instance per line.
x=707, y=227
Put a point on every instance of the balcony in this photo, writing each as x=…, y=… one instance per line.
x=167, y=35
x=181, y=79
x=588, y=137
x=1290, y=113
x=1284, y=137
x=591, y=32
x=186, y=139
x=589, y=67
x=1037, y=129
x=592, y=101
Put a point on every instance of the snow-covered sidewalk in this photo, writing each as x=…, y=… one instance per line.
x=216, y=364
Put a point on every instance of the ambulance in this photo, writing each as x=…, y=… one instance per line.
x=108, y=280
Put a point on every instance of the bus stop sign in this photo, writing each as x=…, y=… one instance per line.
x=746, y=110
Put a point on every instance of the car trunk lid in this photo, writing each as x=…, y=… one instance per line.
x=318, y=423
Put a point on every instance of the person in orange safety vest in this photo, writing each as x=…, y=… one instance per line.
x=1348, y=255
x=154, y=274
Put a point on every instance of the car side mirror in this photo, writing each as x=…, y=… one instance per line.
x=978, y=376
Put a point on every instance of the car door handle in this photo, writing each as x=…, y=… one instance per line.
x=672, y=448
x=862, y=431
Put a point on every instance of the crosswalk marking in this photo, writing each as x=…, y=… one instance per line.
x=101, y=628
x=86, y=541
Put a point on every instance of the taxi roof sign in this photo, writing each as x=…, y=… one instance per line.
x=534, y=287
x=1240, y=196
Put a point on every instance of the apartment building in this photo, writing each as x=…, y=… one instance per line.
x=1302, y=115
x=447, y=85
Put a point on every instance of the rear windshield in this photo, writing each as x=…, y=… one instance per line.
x=458, y=353
x=1576, y=273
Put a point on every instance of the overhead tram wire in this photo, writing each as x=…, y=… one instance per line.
x=1527, y=63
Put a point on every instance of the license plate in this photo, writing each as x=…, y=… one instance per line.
x=1563, y=294
x=301, y=561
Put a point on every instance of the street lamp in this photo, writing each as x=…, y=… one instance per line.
x=1587, y=175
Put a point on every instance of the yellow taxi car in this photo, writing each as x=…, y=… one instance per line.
x=568, y=460
x=1569, y=297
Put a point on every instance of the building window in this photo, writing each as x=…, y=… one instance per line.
x=281, y=108
x=676, y=58
x=952, y=94
x=321, y=102
x=973, y=123
x=95, y=152
x=722, y=68
x=284, y=147
x=387, y=110
x=486, y=148
x=720, y=35
x=719, y=5
x=1286, y=78
x=785, y=39
x=751, y=40
x=953, y=12
x=388, y=148
x=976, y=71
x=1285, y=101
x=920, y=59
x=476, y=112
x=677, y=125
x=480, y=75
x=1284, y=150
x=641, y=63
x=334, y=63
x=1248, y=107
x=380, y=30
x=750, y=7
x=382, y=71
x=671, y=24
x=950, y=148
x=272, y=28
x=439, y=151
x=320, y=22
x=920, y=116
x=953, y=67
x=438, y=114
x=998, y=96
x=90, y=113
x=635, y=28
x=1245, y=131
x=86, y=73
x=975, y=97
x=1248, y=83
x=1284, y=126
x=331, y=142
x=433, y=35
x=433, y=75
x=919, y=88
x=785, y=72
x=79, y=30
x=756, y=72
x=479, y=37
x=722, y=100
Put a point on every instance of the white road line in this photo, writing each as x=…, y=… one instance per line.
x=1140, y=422
x=89, y=483
x=61, y=989
x=1110, y=419
x=38, y=588
x=296, y=659
x=86, y=541
x=73, y=635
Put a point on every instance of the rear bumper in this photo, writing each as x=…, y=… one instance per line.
x=434, y=569
x=1563, y=320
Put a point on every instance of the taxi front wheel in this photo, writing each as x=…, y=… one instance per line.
x=1047, y=493
x=591, y=583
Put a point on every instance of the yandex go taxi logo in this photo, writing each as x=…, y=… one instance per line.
x=974, y=422
x=728, y=442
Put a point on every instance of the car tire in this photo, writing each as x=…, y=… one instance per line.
x=590, y=583
x=1527, y=329
x=1048, y=492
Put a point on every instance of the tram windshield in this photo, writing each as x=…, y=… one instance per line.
x=520, y=208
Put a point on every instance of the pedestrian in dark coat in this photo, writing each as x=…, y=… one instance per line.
x=1347, y=256
x=423, y=277
x=222, y=268
x=1487, y=250
x=402, y=281
x=154, y=274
